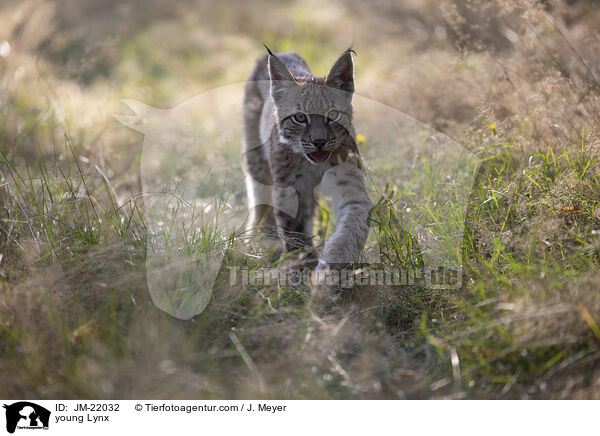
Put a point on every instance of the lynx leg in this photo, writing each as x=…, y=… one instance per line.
x=295, y=230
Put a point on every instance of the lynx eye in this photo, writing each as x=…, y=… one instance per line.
x=299, y=118
x=333, y=115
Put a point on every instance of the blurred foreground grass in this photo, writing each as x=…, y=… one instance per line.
x=76, y=320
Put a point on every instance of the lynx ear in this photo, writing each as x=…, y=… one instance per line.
x=281, y=78
x=277, y=69
x=341, y=74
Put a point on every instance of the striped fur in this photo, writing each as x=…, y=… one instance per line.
x=298, y=133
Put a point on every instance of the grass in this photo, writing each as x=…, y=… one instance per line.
x=78, y=318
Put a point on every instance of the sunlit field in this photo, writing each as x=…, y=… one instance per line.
x=508, y=90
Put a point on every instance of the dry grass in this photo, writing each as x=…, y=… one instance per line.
x=516, y=82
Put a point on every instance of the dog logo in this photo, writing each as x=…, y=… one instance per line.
x=26, y=415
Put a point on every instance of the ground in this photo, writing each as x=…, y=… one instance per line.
x=515, y=83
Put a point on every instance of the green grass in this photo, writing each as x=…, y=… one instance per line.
x=503, y=336
x=76, y=316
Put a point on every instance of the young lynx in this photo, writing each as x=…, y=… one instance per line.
x=298, y=133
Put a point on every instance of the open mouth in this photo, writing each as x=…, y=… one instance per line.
x=319, y=156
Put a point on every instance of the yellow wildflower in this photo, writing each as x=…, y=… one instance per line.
x=360, y=138
x=492, y=127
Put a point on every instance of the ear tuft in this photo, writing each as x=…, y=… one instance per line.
x=268, y=50
x=341, y=74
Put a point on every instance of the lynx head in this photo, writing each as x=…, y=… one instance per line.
x=314, y=113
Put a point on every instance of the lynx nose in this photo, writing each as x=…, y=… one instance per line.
x=319, y=142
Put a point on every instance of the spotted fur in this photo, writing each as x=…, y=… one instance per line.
x=298, y=133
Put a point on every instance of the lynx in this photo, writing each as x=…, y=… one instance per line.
x=297, y=134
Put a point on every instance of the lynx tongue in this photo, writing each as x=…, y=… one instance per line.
x=319, y=156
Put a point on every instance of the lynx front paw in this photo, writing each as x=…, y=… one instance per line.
x=332, y=263
x=322, y=266
x=322, y=270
